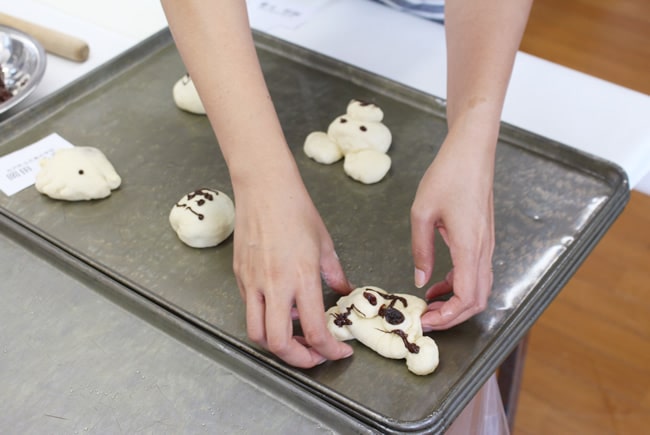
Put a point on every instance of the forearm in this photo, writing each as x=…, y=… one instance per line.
x=216, y=45
x=482, y=40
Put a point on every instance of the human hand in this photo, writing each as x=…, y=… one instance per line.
x=455, y=197
x=281, y=249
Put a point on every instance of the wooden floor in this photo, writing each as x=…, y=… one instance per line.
x=588, y=364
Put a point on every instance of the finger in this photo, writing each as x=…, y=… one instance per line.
x=422, y=238
x=280, y=340
x=445, y=315
x=314, y=327
x=255, y=319
x=465, y=301
x=332, y=272
x=295, y=315
x=240, y=284
x=442, y=287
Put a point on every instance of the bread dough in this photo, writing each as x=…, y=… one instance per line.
x=357, y=130
x=186, y=96
x=77, y=174
x=387, y=323
x=203, y=218
x=321, y=148
x=367, y=166
x=360, y=129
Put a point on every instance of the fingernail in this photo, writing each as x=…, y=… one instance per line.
x=349, y=353
x=420, y=279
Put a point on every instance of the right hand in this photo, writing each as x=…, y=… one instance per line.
x=281, y=248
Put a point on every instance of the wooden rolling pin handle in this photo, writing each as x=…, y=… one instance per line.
x=53, y=41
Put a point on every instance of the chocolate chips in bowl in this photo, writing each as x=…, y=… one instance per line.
x=5, y=94
x=22, y=66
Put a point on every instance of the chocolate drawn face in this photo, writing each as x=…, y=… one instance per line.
x=379, y=304
x=193, y=201
x=387, y=323
x=203, y=218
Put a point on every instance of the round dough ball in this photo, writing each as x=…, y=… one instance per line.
x=186, y=96
x=203, y=218
x=367, y=166
x=320, y=147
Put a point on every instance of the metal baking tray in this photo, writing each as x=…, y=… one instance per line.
x=552, y=205
x=80, y=353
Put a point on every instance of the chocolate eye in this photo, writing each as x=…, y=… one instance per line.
x=363, y=128
x=372, y=300
x=393, y=316
x=343, y=120
x=200, y=202
x=81, y=171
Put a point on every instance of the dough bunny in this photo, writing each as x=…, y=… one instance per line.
x=360, y=137
x=77, y=174
x=387, y=323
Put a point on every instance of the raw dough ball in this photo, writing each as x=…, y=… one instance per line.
x=367, y=166
x=387, y=323
x=360, y=136
x=203, y=218
x=76, y=174
x=186, y=97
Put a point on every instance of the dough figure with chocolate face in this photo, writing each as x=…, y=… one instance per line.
x=77, y=174
x=203, y=218
x=360, y=137
x=387, y=323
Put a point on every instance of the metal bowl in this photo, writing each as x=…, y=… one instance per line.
x=23, y=62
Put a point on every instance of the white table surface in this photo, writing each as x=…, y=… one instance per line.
x=587, y=113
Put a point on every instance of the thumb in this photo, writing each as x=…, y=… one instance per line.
x=332, y=272
x=422, y=237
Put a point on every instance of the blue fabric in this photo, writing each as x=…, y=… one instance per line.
x=429, y=9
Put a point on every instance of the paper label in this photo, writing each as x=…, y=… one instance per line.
x=18, y=169
x=284, y=13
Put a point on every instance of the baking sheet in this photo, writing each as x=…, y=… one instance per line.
x=551, y=205
x=81, y=354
